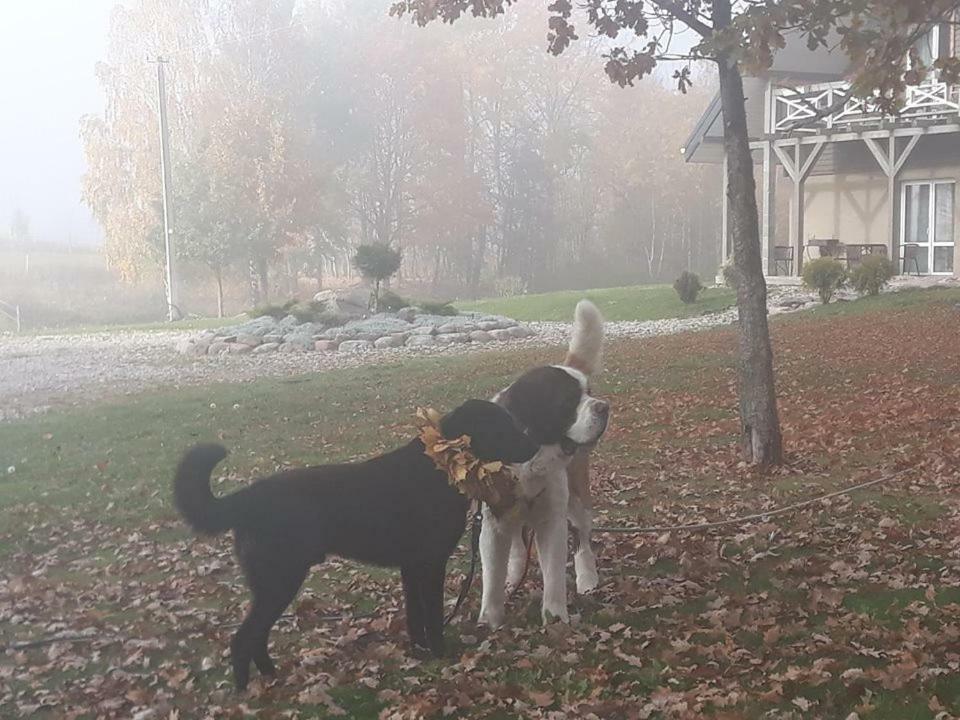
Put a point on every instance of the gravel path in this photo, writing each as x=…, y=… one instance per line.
x=53, y=371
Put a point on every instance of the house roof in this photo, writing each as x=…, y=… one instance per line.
x=709, y=118
x=794, y=63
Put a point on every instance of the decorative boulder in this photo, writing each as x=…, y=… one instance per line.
x=481, y=336
x=265, y=348
x=453, y=338
x=351, y=302
x=250, y=340
x=421, y=341
x=326, y=345
x=216, y=348
x=407, y=314
x=390, y=341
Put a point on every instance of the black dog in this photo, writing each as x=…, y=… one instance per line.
x=395, y=510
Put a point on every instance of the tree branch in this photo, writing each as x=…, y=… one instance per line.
x=689, y=19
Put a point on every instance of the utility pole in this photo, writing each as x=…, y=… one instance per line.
x=173, y=310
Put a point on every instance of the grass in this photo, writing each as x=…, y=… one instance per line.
x=639, y=302
x=88, y=539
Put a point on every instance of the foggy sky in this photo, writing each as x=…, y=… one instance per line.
x=48, y=49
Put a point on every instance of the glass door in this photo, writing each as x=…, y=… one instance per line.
x=927, y=227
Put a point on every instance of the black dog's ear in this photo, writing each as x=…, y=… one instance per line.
x=494, y=434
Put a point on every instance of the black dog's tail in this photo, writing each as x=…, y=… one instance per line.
x=191, y=490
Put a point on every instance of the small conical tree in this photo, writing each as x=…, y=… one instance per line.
x=377, y=262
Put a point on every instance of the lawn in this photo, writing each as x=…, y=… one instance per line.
x=638, y=302
x=846, y=607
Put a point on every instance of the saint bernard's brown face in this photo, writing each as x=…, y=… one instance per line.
x=554, y=406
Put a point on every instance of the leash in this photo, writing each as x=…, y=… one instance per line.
x=474, y=553
x=746, y=518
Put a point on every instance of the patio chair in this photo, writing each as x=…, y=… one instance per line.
x=783, y=258
x=910, y=253
x=851, y=255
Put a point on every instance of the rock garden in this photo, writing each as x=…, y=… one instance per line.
x=339, y=321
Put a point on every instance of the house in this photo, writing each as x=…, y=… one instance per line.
x=836, y=177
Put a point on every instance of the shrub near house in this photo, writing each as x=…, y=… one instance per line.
x=825, y=275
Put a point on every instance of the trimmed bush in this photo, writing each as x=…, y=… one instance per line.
x=377, y=262
x=872, y=274
x=688, y=286
x=277, y=312
x=307, y=311
x=391, y=302
x=438, y=308
x=825, y=275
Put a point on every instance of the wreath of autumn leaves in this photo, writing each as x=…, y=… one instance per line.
x=490, y=482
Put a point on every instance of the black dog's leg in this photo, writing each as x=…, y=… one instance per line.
x=273, y=589
x=432, y=579
x=413, y=600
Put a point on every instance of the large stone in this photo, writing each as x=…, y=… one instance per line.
x=326, y=345
x=376, y=327
x=501, y=334
x=187, y=347
x=390, y=341
x=356, y=346
x=457, y=326
x=519, y=331
x=407, y=314
x=422, y=330
x=353, y=302
x=421, y=341
x=251, y=340
x=239, y=348
x=265, y=348
x=288, y=347
x=218, y=347
x=480, y=336
x=453, y=338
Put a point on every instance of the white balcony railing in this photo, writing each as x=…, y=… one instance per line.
x=823, y=107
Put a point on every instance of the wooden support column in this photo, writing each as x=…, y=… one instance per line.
x=892, y=164
x=798, y=168
x=768, y=205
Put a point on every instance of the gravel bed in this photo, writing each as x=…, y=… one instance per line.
x=54, y=371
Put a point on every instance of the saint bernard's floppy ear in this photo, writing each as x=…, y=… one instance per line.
x=494, y=434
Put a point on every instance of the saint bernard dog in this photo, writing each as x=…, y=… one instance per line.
x=554, y=407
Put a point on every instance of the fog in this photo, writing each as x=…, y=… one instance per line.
x=48, y=49
x=302, y=130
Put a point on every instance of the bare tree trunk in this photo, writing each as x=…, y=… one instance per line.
x=219, y=275
x=760, y=436
x=253, y=282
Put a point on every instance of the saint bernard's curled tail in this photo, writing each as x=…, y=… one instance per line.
x=586, y=345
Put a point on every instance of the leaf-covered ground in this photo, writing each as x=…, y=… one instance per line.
x=848, y=609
